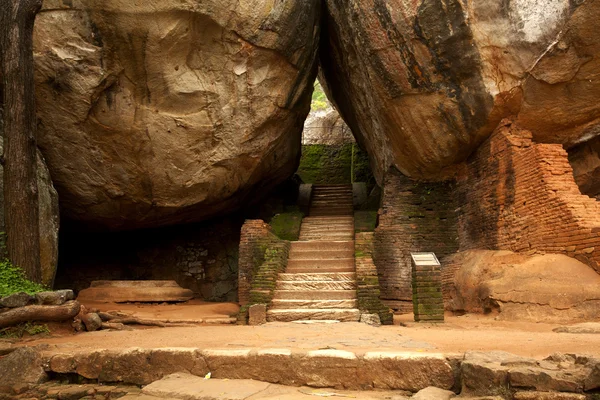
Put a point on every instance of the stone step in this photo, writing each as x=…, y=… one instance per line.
x=331, y=190
x=286, y=304
x=314, y=211
x=326, y=236
x=333, y=202
x=339, y=263
x=324, y=228
x=335, y=232
x=326, y=218
x=338, y=314
x=315, y=285
x=327, y=222
x=314, y=270
x=331, y=197
x=314, y=295
x=318, y=276
x=323, y=245
x=311, y=227
x=323, y=254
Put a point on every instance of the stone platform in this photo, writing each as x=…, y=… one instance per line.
x=469, y=355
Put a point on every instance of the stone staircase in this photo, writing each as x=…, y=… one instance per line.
x=320, y=279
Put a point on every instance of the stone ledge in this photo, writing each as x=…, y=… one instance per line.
x=478, y=373
x=317, y=368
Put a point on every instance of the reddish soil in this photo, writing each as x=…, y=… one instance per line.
x=457, y=335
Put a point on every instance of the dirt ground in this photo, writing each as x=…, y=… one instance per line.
x=457, y=335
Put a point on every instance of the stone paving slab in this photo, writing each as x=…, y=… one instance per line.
x=316, y=368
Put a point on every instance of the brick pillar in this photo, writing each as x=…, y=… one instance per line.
x=254, y=233
x=428, y=304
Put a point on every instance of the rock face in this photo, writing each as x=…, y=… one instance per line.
x=549, y=288
x=49, y=218
x=422, y=83
x=585, y=160
x=326, y=127
x=22, y=366
x=166, y=112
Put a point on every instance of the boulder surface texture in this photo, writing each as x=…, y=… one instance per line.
x=550, y=288
x=161, y=112
x=422, y=83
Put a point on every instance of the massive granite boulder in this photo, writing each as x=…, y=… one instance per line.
x=423, y=82
x=550, y=288
x=160, y=112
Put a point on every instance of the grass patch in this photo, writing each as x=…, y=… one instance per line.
x=18, y=331
x=13, y=280
x=287, y=225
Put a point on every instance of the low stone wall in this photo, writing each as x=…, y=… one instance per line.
x=414, y=217
x=262, y=257
x=367, y=281
x=521, y=196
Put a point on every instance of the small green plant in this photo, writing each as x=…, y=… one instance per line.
x=17, y=332
x=12, y=280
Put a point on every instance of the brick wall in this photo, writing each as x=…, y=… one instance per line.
x=367, y=281
x=262, y=256
x=254, y=235
x=414, y=217
x=521, y=196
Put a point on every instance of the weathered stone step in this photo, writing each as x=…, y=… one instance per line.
x=327, y=223
x=323, y=245
x=326, y=236
x=331, y=190
x=342, y=262
x=310, y=228
x=315, y=285
x=323, y=254
x=317, y=269
x=331, y=211
x=339, y=314
x=331, y=197
x=332, y=200
x=286, y=304
x=318, y=276
x=324, y=231
x=329, y=218
x=315, y=295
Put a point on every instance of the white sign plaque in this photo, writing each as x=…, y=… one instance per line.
x=425, y=259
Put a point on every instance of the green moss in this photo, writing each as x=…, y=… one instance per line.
x=365, y=221
x=287, y=225
x=27, y=328
x=325, y=164
x=362, y=169
x=12, y=280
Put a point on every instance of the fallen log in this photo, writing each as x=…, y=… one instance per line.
x=19, y=315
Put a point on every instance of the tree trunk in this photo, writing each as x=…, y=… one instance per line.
x=19, y=315
x=19, y=125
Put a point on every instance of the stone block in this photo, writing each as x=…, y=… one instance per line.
x=370, y=319
x=257, y=314
x=15, y=300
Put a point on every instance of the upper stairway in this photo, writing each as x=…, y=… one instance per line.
x=320, y=278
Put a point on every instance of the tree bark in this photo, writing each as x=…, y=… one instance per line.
x=19, y=315
x=19, y=125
